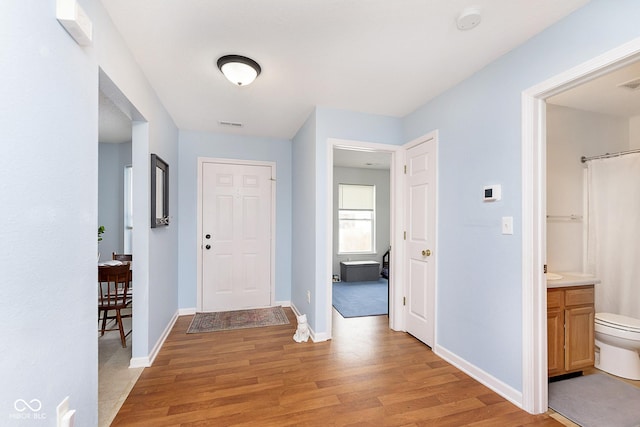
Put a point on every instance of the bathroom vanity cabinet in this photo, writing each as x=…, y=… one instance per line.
x=570, y=329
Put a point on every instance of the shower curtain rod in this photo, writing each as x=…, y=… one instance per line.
x=584, y=159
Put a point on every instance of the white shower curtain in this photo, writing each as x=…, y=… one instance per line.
x=613, y=242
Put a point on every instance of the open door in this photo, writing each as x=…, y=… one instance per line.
x=420, y=243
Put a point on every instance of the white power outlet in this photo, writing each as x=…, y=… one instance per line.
x=309, y=297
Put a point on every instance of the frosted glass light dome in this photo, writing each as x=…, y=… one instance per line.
x=239, y=70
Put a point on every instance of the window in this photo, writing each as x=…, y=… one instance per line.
x=356, y=218
x=128, y=210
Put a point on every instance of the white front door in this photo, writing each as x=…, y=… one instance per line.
x=236, y=236
x=420, y=248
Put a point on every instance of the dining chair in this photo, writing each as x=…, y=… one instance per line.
x=121, y=257
x=126, y=258
x=113, y=295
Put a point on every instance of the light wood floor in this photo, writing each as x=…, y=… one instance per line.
x=367, y=375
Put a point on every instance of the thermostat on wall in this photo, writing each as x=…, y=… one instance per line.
x=492, y=193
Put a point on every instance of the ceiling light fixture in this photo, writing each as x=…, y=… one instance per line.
x=239, y=70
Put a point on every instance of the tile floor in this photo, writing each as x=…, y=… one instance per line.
x=115, y=378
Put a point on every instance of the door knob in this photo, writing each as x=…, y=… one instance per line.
x=426, y=252
x=208, y=247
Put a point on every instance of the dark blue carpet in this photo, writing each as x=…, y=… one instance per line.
x=357, y=299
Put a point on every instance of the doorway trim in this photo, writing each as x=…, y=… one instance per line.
x=533, y=161
x=396, y=319
x=199, y=239
x=141, y=354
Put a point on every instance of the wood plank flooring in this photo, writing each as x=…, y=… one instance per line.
x=367, y=375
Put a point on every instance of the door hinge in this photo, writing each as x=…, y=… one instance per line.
x=404, y=300
x=545, y=269
x=405, y=169
x=405, y=235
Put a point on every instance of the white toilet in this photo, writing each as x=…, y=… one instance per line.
x=618, y=338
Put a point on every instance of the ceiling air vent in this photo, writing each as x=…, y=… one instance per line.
x=631, y=84
x=231, y=124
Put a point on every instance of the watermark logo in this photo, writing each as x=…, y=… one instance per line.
x=21, y=405
x=28, y=410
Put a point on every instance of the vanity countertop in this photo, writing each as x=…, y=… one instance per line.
x=572, y=279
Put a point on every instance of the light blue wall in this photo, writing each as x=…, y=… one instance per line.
x=48, y=220
x=479, y=123
x=204, y=144
x=49, y=215
x=112, y=159
x=337, y=124
x=155, y=250
x=163, y=241
x=303, y=256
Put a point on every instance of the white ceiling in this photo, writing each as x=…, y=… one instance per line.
x=603, y=95
x=361, y=159
x=383, y=57
x=113, y=125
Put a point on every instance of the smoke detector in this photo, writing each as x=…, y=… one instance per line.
x=468, y=19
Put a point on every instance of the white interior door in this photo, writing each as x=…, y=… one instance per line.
x=236, y=236
x=420, y=243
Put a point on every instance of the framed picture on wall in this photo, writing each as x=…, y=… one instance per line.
x=159, y=192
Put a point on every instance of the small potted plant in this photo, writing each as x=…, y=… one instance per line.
x=100, y=233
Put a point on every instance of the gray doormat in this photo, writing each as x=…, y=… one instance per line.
x=596, y=400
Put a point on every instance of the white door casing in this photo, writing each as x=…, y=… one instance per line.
x=420, y=244
x=396, y=312
x=236, y=236
x=534, y=397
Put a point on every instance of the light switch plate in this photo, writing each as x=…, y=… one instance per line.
x=507, y=225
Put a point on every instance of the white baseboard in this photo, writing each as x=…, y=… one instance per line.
x=504, y=390
x=139, y=362
x=145, y=362
x=295, y=309
x=319, y=337
x=283, y=303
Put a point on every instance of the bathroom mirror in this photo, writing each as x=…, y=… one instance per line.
x=159, y=192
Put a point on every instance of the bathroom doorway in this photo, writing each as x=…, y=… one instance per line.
x=593, y=146
x=535, y=210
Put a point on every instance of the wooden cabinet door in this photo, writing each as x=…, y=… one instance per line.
x=555, y=341
x=579, y=341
